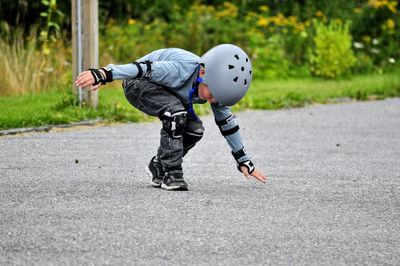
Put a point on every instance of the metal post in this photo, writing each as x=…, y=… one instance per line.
x=79, y=16
x=85, y=44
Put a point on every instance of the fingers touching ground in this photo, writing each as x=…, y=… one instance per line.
x=259, y=176
x=256, y=174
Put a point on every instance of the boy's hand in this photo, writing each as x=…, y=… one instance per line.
x=86, y=79
x=256, y=174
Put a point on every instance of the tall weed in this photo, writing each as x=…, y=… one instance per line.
x=26, y=68
x=21, y=65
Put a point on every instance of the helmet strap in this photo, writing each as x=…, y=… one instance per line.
x=194, y=89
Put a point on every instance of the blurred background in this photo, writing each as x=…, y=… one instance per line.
x=294, y=46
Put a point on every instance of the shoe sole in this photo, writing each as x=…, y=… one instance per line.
x=177, y=188
x=148, y=172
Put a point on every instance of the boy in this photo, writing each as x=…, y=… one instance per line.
x=166, y=83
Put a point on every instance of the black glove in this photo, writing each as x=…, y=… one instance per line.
x=99, y=77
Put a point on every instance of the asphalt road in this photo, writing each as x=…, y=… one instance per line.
x=333, y=195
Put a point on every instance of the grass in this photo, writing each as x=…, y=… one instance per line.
x=57, y=106
x=297, y=93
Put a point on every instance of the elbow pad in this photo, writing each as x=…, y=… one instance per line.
x=141, y=73
x=227, y=132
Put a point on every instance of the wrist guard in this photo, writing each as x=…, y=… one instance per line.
x=99, y=77
x=248, y=163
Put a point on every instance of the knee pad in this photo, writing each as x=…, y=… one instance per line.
x=194, y=131
x=192, y=138
x=193, y=134
x=174, y=123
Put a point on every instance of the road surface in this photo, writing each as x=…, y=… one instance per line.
x=332, y=198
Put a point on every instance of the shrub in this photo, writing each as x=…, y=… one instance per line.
x=364, y=63
x=268, y=56
x=375, y=28
x=196, y=29
x=122, y=43
x=331, y=55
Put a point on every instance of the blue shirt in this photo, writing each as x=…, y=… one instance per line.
x=177, y=69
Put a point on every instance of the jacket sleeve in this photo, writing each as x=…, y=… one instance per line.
x=171, y=74
x=229, y=128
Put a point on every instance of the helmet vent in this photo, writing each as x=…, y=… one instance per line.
x=242, y=68
x=250, y=72
x=236, y=56
x=245, y=81
x=235, y=79
x=231, y=66
x=247, y=60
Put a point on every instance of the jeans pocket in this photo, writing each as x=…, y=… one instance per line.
x=132, y=94
x=129, y=85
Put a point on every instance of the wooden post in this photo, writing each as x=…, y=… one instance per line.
x=85, y=48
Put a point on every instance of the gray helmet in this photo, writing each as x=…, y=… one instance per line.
x=228, y=73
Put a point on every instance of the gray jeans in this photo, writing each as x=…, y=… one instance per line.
x=154, y=99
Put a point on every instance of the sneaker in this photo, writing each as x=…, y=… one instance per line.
x=174, y=181
x=155, y=171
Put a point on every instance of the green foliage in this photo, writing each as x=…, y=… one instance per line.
x=331, y=55
x=375, y=29
x=196, y=29
x=125, y=43
x=201, y=27
x=277, y=35
x=268, y=56
x=364, y=63
x=51, y=30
